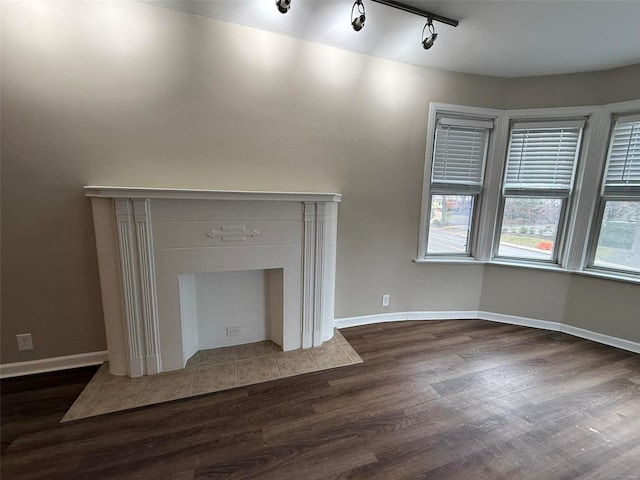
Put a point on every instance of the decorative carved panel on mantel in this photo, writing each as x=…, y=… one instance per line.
x=233, y=233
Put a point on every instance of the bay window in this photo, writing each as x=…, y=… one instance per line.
x=548, y=188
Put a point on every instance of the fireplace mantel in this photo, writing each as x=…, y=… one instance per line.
x=199, y=194
x=153, y=242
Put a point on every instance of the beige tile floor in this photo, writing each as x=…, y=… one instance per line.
x=208, y=371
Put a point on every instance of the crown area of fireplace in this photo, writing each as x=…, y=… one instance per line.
x=183, y=270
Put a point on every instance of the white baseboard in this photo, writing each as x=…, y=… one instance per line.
x=403, y=316
x=522, y=321
x=9, y=370
x=493, y=317
x=17, y=369
x=601, y=338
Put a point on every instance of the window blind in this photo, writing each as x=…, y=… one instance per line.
x=459, y=153
x=623, y=165
x=542, y=156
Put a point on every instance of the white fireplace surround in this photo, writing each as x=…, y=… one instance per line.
x=151, y=242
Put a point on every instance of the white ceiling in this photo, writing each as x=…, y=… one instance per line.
x=500, y=38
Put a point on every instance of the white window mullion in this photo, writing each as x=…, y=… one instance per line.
x=587, y=182
x=489, y=211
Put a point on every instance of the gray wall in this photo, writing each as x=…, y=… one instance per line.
x=124, y=93
x=594, y=88
x=525, y=292
x=604, y=306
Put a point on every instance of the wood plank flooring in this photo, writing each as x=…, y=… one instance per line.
x=432, y=400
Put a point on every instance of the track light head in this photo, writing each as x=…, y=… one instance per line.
x=358, y=23
x=427, y=42
x=283, y=5
x=358, y=17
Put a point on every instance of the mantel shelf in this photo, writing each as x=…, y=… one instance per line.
x=201, y=194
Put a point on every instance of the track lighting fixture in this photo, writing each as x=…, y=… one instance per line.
x=428, y=42
x=357, y=15
x=283, y=5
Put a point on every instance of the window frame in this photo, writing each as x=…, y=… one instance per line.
x=558, y=240
x=602, y=197
x=566, y=198
x=472, y=228
x=437, y=110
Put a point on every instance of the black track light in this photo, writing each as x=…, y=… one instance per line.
x=357, y=15
x=283, y=5
x=428, y=42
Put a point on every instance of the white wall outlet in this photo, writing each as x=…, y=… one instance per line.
x=25, y=342
x=234, y=331
x=385, y=300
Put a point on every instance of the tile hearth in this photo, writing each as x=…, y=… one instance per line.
x=206, y=372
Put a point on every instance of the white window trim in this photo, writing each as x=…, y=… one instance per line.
x=444, y=109
x=573, y=233
x=577, y=237
x=547, y=116
x=598, y=199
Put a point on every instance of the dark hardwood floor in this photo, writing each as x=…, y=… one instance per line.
x=467, y=400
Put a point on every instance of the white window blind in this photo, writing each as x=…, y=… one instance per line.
x=543, y=156
x=623, y=165
x=459, y=153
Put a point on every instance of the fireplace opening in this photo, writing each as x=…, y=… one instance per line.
x=221, y=309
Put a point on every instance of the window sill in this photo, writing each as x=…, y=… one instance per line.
x=550, y=267
x=450, y=261
x=609, y=276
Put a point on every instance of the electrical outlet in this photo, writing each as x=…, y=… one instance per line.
x=25, y=342
x=234, y=331
x=385, y=300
